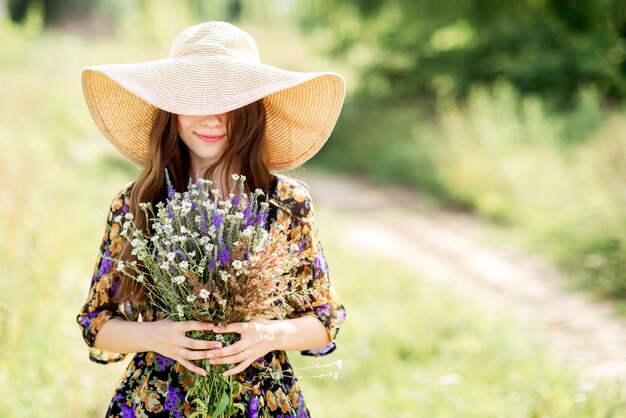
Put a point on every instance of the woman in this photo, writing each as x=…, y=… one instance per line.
x=210, y=109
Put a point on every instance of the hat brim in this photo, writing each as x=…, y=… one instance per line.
x=302, y=108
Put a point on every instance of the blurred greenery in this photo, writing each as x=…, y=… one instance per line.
x=407, y=49
x=503, y=148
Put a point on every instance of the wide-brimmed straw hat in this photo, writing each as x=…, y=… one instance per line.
x=213, y=68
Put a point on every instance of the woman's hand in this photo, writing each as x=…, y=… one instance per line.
x=258, y=338
x=167, y=337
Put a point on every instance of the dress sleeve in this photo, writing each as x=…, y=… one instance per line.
x=323, y=302
x=98, y=308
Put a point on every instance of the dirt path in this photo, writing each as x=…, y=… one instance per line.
x=457, y=248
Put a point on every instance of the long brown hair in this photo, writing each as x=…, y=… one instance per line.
x=245, y=131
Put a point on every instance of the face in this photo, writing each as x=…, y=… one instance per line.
x=205, y=137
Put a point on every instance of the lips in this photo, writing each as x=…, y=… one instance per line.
x=209, y=138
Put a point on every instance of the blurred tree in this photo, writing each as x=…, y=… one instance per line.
x=55, y=12
x=233, y=10
x=18, y=10
x=405, y=49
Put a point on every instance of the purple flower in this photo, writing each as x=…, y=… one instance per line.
x=261, y=217
x=87, y=319
x=224, y=256
x=127, y=411
x=246, y=215
x=105, y=266
x=173, y=402
x=253, y=407
x=302, y=413
x=204, y=225
x=211, y=265
x=162, y=362
x=170, y=187
x=320, y=264
x=217, y=219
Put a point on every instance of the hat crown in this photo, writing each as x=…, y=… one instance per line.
x=215, y=38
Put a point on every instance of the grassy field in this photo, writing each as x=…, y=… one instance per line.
x=409, y=347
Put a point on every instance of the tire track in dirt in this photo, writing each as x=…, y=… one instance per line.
x=455, y=248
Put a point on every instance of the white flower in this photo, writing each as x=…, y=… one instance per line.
x=259, y=191
x=235, y=177
x=135, y=242
x=186, y=207
x=120, y=266
x=165, y=265
x=224, y=275
x=195, y=234
x=144, y=205
x=171, y=256
x=184, y=265
x=129, y=215
x=118, y=218
x=198, y=219
x=248, y=231
x=180, y=311
x=154, y=238
x=192, y=254
x=237, y=264
x=294, y=247
x=141, y=278
x=126, y=225
x=204, y=293
x=178, y=279
x=191, y=298
x=239, y=215
x=184, y=230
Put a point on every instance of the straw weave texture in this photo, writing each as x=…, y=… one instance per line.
x=213, y=68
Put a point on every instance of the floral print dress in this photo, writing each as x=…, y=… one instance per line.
x=154, y=385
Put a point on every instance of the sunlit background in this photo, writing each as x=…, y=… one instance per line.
x=468, y=125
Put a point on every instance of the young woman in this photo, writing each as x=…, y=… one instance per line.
x=210, y=109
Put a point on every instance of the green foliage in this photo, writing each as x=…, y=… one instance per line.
x=407, y=49
x=421, y=349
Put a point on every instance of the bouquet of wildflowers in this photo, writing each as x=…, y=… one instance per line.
x=213, y=260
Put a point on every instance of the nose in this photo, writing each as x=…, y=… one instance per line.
x=213, y=120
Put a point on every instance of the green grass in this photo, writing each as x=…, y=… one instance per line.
x=404, y=338
x=415, y=348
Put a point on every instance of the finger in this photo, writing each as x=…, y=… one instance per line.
x=237, y=327
x=235, y=358
x=201, y=344
x=192, y=354
x=195, y=326
x=237, y=347
x=238, y=368
x=192, y=367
